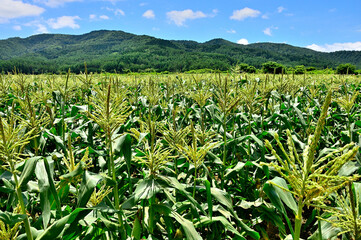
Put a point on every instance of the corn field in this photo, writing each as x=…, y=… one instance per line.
x=213, y=156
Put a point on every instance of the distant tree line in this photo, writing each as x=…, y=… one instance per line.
x=135, y=63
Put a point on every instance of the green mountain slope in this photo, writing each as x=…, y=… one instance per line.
x=120, y=51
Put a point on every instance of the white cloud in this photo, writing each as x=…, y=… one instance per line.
x=119, y=12
x=244, y=13
x=336, y=47
x=40, y=27
x=94, y=17
x=115, y=11
x=149, y=14
x=243, y=41
x=268, y=31
x=214, y=13
x=56, y=3
x=63, y=22
x=10, y=9
x=265, y=16
x=179, y=17
x=143, y=4
x=231, y=31
x=17, y=28
x=104, y=17
x=316, y=47
x=280, y=9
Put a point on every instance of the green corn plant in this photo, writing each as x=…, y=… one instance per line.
x=195, y=154
x=312, y=180
x=251, y=100
x=98, y=196
x=5, y=84
x=174, y=138
x=346, y=215
x=227, y=101
x=110, y=112
x=7, y=232
x=149, y=126
x=86, y=81
x=63, y=90
x=153, y=92
x=13, y=140
x=37, y=122
x=201, y=96
x=346, y=102
x=71, y=165
x=154, y=157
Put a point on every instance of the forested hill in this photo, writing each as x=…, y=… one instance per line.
x=120, y=51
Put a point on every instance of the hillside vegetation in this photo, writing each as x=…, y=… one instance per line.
x=120, y=51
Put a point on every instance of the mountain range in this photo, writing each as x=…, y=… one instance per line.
x=120, y=51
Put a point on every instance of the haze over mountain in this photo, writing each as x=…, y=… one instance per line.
x=119, y=51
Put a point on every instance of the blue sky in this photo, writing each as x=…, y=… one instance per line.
x=320, y=25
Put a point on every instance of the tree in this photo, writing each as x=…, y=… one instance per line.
x=273, y=67
x=310, y=69
x=251, y=69
x=243, y=67
x=346, y=68
x=300, y=69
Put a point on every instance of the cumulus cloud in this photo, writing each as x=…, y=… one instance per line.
x=104, y=17
x=336, y=47
x=64, y=22
x=280, y=9
x=243, y=41
x=268, y=31
x=10, y=9
x=41, y=28
x=244, y=13
x=179, y=17
x=56, y=3
x=149, y=14
x=92, y=16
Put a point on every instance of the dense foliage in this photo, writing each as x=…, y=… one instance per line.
x=117, y=51
x=212, y=156
x=346, y=69
x=273, y=67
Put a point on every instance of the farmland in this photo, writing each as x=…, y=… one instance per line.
x=180, y=156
